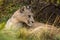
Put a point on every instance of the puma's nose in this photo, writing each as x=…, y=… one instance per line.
x=32, y=21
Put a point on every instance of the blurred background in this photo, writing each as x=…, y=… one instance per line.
x=49, y=14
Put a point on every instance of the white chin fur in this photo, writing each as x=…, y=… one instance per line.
x=30, y=24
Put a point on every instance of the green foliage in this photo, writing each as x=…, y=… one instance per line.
x=2, y=25
x=24, y=34
x=8, y=8
x=6, y=37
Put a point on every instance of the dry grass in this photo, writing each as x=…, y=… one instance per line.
x=40, y=32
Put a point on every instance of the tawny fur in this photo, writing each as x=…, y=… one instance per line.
x=21, y=15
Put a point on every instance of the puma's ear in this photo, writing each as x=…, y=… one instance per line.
x=22, y=9
x=28, y=7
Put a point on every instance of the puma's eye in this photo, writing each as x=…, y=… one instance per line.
x=29, y=6
x=29, y=16
x=23, y=9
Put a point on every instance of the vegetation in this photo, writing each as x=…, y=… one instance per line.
x=23, y=34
